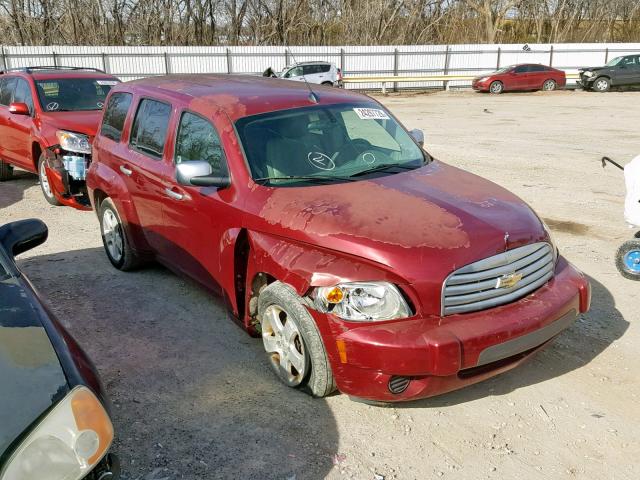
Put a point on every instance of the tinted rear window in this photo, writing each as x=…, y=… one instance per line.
x=149, y=131
x=115, y=115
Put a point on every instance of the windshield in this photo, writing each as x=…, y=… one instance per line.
x=614, y=62
x=504, y=69
x=327, y=144
x=73, y=94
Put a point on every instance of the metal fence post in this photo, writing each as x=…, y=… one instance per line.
x=499, y=58
x=105, y=63
x=447, y=59
x=167, y=63
x=55, y=58
x=342, y=60
x=551, y=56
x=229, y=61
x=4, y=59
x=606, y=56
x=395, y=68
x=286, y=57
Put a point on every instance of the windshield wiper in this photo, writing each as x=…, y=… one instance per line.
x=306, y=178
x=382, y=168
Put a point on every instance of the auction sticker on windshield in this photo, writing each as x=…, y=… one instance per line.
x=371, y=114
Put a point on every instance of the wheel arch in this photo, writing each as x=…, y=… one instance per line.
x=36, y=151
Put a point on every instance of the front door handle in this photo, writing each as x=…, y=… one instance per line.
x=126, y=170
x=175, y=195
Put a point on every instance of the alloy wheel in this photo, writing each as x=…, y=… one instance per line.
x=284, y=345
x=112, y=233
x=44, y=180
x=549, y=85
x=602, y=85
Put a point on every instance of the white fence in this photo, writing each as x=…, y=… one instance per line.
x=419, y=60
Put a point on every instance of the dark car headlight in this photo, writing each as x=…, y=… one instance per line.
x=67, y=443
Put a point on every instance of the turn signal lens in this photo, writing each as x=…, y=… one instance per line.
x=334, y=295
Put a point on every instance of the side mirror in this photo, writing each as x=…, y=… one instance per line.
x=19, y=108
x=199, y=174
x=18, y=237
x=418, y=136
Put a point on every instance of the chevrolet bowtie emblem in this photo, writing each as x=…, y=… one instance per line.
x=509, y=281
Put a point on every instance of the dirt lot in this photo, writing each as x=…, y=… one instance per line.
x=194, y=399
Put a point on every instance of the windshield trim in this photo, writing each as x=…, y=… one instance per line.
x=427, y=158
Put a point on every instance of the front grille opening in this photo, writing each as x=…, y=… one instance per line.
x=398, y=384
x=489, y=367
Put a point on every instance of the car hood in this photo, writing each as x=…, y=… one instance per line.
x=422, y=224
x=80, y=122
x=592, y=69
x=31, y=375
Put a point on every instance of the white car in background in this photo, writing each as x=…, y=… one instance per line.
x=323, y=73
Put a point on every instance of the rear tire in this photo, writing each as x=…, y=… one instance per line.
x=114, y=238
x=602, y=85
x=45, y=185
x=496, y=87
x=549, y=85
x=628, y=260
x=6, y=171
x=278, y=305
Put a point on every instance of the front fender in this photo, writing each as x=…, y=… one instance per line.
x=303, y=266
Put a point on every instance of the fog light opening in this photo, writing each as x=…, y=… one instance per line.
x=398, y=384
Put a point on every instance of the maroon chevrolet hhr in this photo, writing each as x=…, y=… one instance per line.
x=363, y=263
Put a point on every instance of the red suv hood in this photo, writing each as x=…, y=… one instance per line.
x=80, y=122
x=423, y=223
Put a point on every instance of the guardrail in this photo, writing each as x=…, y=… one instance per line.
x=445, y=79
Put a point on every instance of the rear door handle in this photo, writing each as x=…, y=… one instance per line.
x=175, y=195
x=126, y=170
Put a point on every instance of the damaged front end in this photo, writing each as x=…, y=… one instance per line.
x=67, y=173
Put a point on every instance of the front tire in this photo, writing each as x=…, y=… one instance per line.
x=602, y=85
x=496, y=87
x=114, y=238
x=549, y=85
x=6, y=171
x=291, y=339
x=628, y=260
x=45, y=185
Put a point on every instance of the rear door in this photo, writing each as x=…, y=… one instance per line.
x=144, y=170
x=537, y=76
x=17, y=139
x=7, y=89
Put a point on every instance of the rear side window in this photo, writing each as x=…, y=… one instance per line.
x=7, y=87
x=149, y=131
x=537, y=68
x=198, y=140
x=115, y=115
x=23, y=94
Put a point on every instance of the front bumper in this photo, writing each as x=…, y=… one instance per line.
x=480, y=86
x=443, y=354
x=68, y=184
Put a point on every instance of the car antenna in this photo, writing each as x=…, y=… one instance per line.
x=313, y=98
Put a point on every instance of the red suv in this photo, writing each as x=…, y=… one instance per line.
x=362, y=262
x=48, y=117
x=521, y=77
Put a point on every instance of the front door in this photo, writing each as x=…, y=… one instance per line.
x=17, y=140
x=628, y=71
x=196, y=218
x=521, y=78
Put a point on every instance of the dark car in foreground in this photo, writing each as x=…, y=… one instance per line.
x=362, y=262
x=618, y=72
x=48, y=117
x=525, y=77
x=54, y=423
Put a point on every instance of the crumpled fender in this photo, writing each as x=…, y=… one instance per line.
x=303, y=266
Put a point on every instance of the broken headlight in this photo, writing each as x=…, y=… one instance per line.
x=73, y=142
x=362, y=301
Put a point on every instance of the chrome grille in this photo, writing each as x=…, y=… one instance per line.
x=478, y=286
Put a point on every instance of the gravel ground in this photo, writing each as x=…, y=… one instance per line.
x=194, y=399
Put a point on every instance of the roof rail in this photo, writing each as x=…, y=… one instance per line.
x=30, y=70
